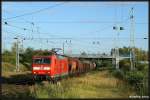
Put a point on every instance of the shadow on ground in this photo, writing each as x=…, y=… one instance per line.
x=17, y=86
x=19, y=78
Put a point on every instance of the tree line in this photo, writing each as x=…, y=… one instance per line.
x=27, y=54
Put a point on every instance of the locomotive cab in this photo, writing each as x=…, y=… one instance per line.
x=41, y=65
x=49, y=67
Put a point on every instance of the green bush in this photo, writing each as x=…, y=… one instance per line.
x=139, y=81
x=6, y=67
x=106, y=63
x=9, y=58
x=118, y=74
x=125, y=65
x=140, y=66
x=134, y=77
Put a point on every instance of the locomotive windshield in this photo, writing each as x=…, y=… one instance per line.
x=41, y=61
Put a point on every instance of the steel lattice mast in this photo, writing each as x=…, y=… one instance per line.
x=132, y=42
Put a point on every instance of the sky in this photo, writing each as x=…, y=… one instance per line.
x=80, y=26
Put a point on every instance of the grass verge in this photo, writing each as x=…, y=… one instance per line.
x=95, y=84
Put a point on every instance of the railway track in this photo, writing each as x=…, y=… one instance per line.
x=19, y=82
x=25, y=82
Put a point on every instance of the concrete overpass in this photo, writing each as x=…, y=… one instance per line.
x=97, y=56
x=115, y=59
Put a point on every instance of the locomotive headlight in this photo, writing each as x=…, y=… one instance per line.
x=36, y=68
x=48, y=72
x=46, y=68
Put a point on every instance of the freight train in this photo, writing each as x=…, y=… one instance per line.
x=56, y=66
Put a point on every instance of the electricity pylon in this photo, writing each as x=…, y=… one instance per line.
x=132, y=42
x=116, y=51
x=17, y=54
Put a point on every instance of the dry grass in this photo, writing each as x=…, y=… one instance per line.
x=12, y=90
x=7, y=66
x=95, y=84
x=8, y=74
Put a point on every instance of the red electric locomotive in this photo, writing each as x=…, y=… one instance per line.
x=51, y=67
x=56, y=66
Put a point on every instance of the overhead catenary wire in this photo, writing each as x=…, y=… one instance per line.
x=79, y=38
x=15, y=34
x=26, y=29
x=25, y=21
x=94, y=4
x=34, y=12
x=77, y=22
x=71, y=37
x=22, y=28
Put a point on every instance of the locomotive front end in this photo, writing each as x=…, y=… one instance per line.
x=41, y=66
